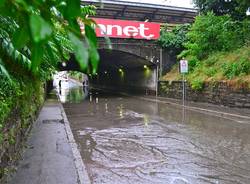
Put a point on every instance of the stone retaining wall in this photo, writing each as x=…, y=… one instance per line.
x=219, y=93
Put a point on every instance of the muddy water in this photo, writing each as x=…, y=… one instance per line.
x=125, y=140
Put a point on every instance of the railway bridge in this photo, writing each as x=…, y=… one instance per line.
x=135, y=60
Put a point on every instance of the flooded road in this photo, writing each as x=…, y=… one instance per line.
x=126, y=140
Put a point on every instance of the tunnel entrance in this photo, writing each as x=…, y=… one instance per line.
x=125, y=72
x=121, y=71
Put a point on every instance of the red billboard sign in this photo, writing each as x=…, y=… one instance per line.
x=114, y=28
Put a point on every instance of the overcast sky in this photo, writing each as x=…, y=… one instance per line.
x=180, y=3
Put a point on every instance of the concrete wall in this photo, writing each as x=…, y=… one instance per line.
x=146, y=49
x=220, y=93
x=168, y=60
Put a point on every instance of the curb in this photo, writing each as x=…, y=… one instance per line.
x=196, y=108
x=83, y=177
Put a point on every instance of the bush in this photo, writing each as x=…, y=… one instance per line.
x=240, y=68
x=210, y=34
x=218, y=48
x=21, y=94
x=197, y=84
x=192, y=63
x=173, y=40
x=20, y=98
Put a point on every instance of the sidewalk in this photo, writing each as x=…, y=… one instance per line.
x=48, y=158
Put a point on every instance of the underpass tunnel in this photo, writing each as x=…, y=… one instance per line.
x=125, y=72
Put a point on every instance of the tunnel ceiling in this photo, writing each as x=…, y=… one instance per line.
x=113, y=59
x=110, y=60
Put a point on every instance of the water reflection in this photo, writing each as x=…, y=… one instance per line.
x=73, y=95
x=120, y=109
x=106, y=107
x=145, y=119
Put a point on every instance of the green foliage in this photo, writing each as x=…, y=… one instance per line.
x=192, y=63
x=34, y=32
x=22, y=93
x=76, y=75
x=34, y=36
x=3, y=71
x=221, y=66
x=210, y=34
x=40, y=29
x=197, y=84
x=231, y=70
x=173, y=40
x=20, y=99
x=235, y=8
x=217, y=44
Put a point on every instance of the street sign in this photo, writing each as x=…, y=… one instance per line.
x=183, y=66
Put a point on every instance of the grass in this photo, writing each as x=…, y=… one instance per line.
x=231, y=67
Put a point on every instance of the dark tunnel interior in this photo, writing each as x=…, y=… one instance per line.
x=120, y=71
x=123, y=71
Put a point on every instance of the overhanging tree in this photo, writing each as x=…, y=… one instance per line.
x=173, y=40
x=37, y=34
x=235, y=8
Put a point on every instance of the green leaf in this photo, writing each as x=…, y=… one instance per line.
x=51, y=53
x=40, y=29
x=3, y=70
x=36, y=57
x=74, y=26
x=80, y=51
x=90, y=33
x=93, y=55
x=21, y=37
x=2, y=3
x=73, y=9
x=92, y=41
x=94, y=58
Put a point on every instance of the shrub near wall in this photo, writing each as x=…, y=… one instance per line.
x=20, y=99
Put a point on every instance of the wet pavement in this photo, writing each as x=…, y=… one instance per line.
x=47, y=157
x=128, y=140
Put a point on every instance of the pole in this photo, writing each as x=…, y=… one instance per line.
x=183, y=89
x=156, y=85
x=161, y=62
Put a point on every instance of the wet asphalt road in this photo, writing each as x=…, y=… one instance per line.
x=126, y=140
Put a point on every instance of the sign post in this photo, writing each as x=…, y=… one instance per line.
x=183, y=71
